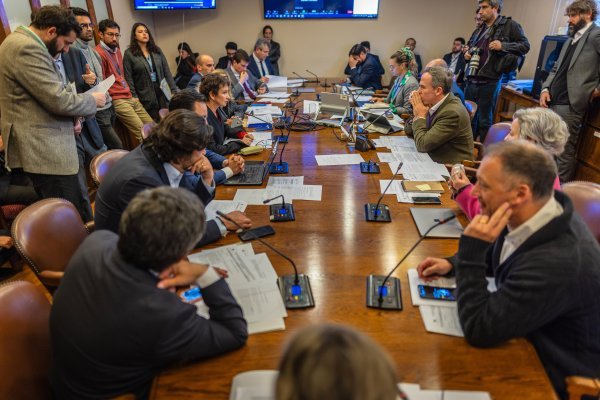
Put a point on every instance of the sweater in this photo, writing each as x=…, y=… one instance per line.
x=112, y=64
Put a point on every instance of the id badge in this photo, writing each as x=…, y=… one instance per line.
x=153, y=76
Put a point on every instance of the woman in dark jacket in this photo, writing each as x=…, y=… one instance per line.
x=275, y=49
x=145, y=69
x=186, y=65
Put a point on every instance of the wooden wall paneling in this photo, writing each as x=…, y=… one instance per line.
x=109, y=8
x=92, y=11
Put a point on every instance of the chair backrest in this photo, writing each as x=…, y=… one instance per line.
x=46, y=234
x=25, y=354
x=496, y=133
x=102, y=163
x=586, y=201
x=471, y=107
x=163, y=112
x=146, y=129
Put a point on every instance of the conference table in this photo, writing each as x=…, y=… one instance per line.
x=337, y=248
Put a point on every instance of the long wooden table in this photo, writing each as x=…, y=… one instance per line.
x=332, y=243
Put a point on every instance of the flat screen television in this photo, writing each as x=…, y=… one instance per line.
x=320, y=9
x=154, y=5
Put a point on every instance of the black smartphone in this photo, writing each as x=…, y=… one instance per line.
x=426, y=200
x=259, y=231
x=437, y=293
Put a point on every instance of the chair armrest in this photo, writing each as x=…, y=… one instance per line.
x=51, y=278
x=578, y=386
x=478, y=150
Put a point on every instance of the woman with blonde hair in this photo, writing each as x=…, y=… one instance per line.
x=404, y=68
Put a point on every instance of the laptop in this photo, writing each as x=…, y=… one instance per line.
x=255, y=172
x=374, y=122
x=333, y=122
x=334, y=103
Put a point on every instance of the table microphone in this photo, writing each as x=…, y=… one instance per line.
x=376, y=286
x=295, y=289
x=381, y=212
x=278, y=213
x=268, y=126
x=315, y=75
x=304, y=80
x=282, y=167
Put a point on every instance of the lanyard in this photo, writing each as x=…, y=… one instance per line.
x=400, y=83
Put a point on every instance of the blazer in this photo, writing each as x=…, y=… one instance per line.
x=137, y=74
x=274, y=56
x=449, y=138
x=367, y=74
x=255, y=69
x=36, y=109
x=185, y=71
x=402, y=99
x=237, y=91
x=137, y=171
x=459, y=71
x=583, y=75
x=131, y=330
x=195, y=82
x=220, y=132
x=223, y=63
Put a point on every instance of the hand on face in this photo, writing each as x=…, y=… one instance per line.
x=487, y=228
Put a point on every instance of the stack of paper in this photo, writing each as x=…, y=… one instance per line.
x=259, y=120
x=397, y=189
x=260, y=109
x=225, y=206
x=397, y=143
x=262, y=138
x=277, y=81
x=253, y=283
x=291, y=187
x=339, y=159
x=414, y=392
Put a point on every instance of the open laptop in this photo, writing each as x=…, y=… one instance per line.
x=426, y=217
x=381, y=125
x=333, y=103
x=255, y=172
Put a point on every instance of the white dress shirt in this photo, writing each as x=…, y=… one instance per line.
x=237, y=76
x=580, y=32
x=259, y=64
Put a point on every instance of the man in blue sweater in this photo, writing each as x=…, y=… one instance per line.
x=544, y=259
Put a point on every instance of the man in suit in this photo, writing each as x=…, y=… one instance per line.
x=205, y=65
x=575, y=79
x=441, y=125
x=456, y=60
x=260, y=63
x=367, y=45
x=245, y=86
x=225, y=61
x=411, y=43
x=363, y=69
x=38, y=110
x=170, y=156
x=115, y=324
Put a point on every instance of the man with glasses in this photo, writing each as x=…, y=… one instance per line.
x=205, y=65
x=225, y=61
x=128, y=109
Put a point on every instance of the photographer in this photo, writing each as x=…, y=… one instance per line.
x=494, y=49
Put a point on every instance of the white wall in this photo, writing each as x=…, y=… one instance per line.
x=126, y=16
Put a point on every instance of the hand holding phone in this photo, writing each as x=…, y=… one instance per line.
x=437, y=293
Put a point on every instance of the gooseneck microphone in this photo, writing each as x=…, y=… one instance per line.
x=260, y=127
x=378, y=288
x=282, y=167
x=304, y=80
x=295, y=289
x=315, y=75
x=380, y=212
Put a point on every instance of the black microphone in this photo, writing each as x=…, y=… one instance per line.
x=251, y=114
x=315, y=75
x=304, y=80
x=380, y=212
x=283, y=167
x=394, y=302
x=364, y=128
x=295, y=289
x=283, y=213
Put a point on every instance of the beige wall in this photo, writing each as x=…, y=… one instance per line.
x=322, y=45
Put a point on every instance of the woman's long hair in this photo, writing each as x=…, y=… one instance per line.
x=134, y=46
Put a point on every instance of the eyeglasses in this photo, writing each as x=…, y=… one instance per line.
x=90, y=26
x=110, y=34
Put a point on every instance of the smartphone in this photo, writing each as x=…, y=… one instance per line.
x=192, y=295
x=437, y=293
x=259, y=231
x=426, y=200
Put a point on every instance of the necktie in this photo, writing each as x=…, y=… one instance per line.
x=262, y=67
x=188, y=181
x=249, y=91
x=430, y=117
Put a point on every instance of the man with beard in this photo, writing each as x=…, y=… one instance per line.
x=38, y=110
x=456, y=61
x=129, y=109
x=574, y=81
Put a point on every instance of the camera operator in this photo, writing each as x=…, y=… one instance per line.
x=495, y=48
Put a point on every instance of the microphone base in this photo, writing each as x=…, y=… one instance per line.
x=380, y=214
x=282, y=212
x=392, y=299
x=282, y=138
x=296, y=295
x=325, y=85
x=279, y=168
x=369, y=168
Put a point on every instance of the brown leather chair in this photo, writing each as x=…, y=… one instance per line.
x=146, y=129
x=578, y=386
x=586, y=200
x=471, y=108
x=102, y=163
x=496, y=133
x=25, y=355
x=163, y=112
x=46, y=234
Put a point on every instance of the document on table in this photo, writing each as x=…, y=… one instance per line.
x=441, y=319
x=277, y=81
x=285, y=181
x=423, y=177
x=262, y=138
x=254, y=385
x=410, y=156
x=399, y=143
x=295, y=81
x=225, y=206
x=364, y=98
x=311, y=107
x=290, y=193
x=339, y=159
x=274, y=100
x=103, y=86
x=388, y=157
x=276, y=95
x=256, y=121
x=263, y=110
x=414, y=392
x=410, y=167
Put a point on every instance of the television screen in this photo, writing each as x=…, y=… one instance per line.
x=174, y=4
x=303, y=9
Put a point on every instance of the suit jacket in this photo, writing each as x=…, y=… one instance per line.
x=195, y=82
x=367, y=74
x=221, y=131
x=223, y=63
x=274, y=56
x=137, y=74
x=459, y=71
x=449, y=138
x=36, y=109
x=583, y=75
x=255, y=69
x=402, y=99
x=131, y=330
x=135, y=172
x=237, y=91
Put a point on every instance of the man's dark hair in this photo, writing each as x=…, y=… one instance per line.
x=178, y=135
x=461, y=40
x=108, y=24
x=57, y=17
x=357, y=50
x=493, y=3
x=240, y=56
x=583, y=7
x=212, y=83
x=366, y=44
x=231, y=46
x=528, y=163
x=80, y=12
x=268, y=27
x=152, y=218
x=186, y=100
x=134, y=46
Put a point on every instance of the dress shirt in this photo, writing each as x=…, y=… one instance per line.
x=245, y=92
x=580, y=32
x=515, y=238
x=262, y=67
x=437, y=105
x=454, y=61
x=61, y=68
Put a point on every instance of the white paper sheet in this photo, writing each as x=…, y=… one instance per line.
x=311, y=107
x=260, y=120
x=103, y=86
x=274, y=100
x=363, y=98
x=254, y=385
x=276, y=95
x=262, y=138
x=423, y=177
x=263, y=110
x=225, y=206
x=275, y=324
x=295, y=81
x=388, y=157
x=464, y=395
x=440, y=319
x=285, y=181
x=410, y=156
x=339, y=159
x=277, y=81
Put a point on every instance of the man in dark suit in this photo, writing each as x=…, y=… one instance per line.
x=367, y=45
x=225, y=61
x=244, y=85
x=363, y=69
x=456, y=61
x=115, y=324
x=574, y=80
x=204, y=65
x=172, y=153
x=260, y=63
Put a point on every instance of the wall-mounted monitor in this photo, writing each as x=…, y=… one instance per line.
x=154, y=5
x=314, y=9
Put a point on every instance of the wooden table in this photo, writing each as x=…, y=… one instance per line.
x=331, y=242
x=508, y=100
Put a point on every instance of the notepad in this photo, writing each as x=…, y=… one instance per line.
x=422, y=187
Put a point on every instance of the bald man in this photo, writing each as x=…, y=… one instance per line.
x=205, y=65
x=456, y=90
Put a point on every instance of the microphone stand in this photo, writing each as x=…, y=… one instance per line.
x=315, y=75
x=304, y=80
x=269, y=125
x=380, y=212
x=295, y=289
x=280, y=213
x=282, y=167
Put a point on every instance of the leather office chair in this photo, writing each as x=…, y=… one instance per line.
x=24, y=342
x=496, y=133
x=163, y=112
x=578, y=386
x=146, y=129
x=102, y=163
x=471, y=108
x=46, y=234
x=586, y=201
